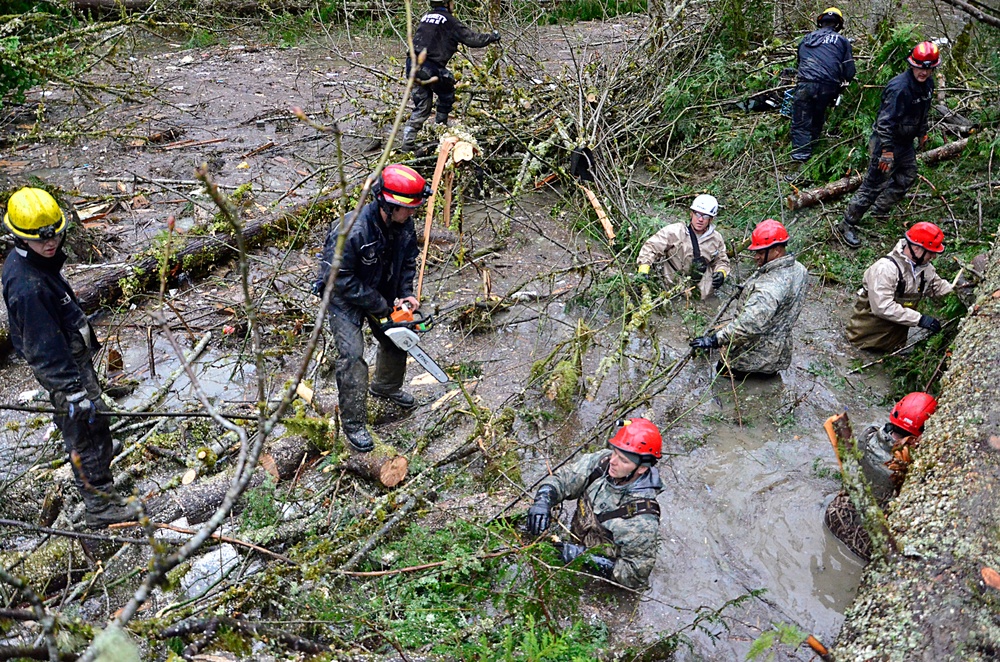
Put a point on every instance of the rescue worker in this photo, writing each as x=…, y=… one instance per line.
x=616, y=506
x=697, y=249
x=885, y=458
x=902, y=119
x=376, y=273
x=825, y=65
x=439, y=33
x=758, y=341
x=51, y=332
x=892, y=287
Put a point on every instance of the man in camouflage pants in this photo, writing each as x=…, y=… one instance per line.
x=616, y=505
x=758, y=342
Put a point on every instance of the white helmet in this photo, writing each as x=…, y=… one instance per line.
x=706, y=204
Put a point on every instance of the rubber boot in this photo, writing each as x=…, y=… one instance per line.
x=390, y=371
x=105, y=507
x=409, y=138
x=441, y=119
x=848, y=232
x=360, y=439
x=795, y=171
x=399, y=397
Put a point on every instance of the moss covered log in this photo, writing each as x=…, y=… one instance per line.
x=932, y=601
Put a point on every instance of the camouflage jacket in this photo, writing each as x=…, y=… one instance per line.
x=636, y=539
x=760, y=338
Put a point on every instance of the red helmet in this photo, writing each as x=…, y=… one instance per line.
x=768, y=233
x=925, y=55
x=639, y=436
x=912, y=412
x=402, y=186
x=926, y=235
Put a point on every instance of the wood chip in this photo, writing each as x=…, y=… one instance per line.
x=270, y=466
x=995, y=442
x=991, y=577
x=304, y=392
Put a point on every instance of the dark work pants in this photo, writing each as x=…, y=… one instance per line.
x=423, y=95
x=882, y=190
x=808, y=114
x=91, y=442
x=352, y=370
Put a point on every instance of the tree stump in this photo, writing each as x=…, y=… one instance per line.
x=383, y=465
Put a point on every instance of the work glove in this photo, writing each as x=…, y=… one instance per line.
x=80, y=409
x=885, y=161
x=569, y=551
x=711, y=341
x=603, y=566
x=698, y=268
x=539, y=516
x=929, y=323
x=496, y=36
x=718, y=278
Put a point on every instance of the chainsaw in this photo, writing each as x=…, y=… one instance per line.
x=402, y=329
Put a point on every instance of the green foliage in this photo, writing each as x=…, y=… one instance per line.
x=32, y=48
x=822, y=469
x=783, y=634
x=743, y=23
x=590, y=10
x=529, y=641
x=261, y=509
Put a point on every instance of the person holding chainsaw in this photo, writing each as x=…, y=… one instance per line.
x=376, y=273
x=697, y=249
x=439, y=33
x=616, y=505
x=49, y=329
x=902, y=120
x=758, y=342
x=893, y=285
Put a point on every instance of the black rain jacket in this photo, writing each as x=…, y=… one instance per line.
x=825, y=56
x=440, y=33
x=902, y=117
x=48, y=328
x=378, y=266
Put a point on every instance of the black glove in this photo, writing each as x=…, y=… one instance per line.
x=496, y=36
x=711, y=341
x=538, y=514
x=80, y=409
x=318, y=288
x=568, y=551
x=718, y=278
x=603, y=566
x=698, y=268
x=929, y=323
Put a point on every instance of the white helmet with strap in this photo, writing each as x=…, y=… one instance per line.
x=706, y=204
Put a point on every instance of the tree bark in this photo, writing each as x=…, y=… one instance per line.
x=809, y=197
x=975, y=12
x=932, y=601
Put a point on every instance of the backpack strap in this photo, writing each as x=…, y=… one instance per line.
x=900, y=282
x=695, y=248
x=631, y=509
x=599, y=471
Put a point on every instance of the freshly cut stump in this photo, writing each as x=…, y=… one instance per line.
x=383, y=465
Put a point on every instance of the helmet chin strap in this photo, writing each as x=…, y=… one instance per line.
x=919, y=261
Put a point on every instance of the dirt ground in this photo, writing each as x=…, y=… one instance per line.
x=747, y=472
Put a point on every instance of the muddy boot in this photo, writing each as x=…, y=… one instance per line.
x=105, y=508
x=794, y=173
x=441, y=119
x=848, y=232
x=398, y=397
x=360, y=439
x=409, y=139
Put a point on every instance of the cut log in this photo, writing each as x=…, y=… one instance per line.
x=199, y=501
x=383, y=465
x=934, y=601
x=809, y=197
x=196, y=257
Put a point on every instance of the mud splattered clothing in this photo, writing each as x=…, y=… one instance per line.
x=759, y=339
x=635, y=537
x=440, y=33
x=902, y=118
x=49, y=329
x=886, y=304
x=672, y=249
x=825, y=61
x=378, y=266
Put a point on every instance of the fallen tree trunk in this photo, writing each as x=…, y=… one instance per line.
x=383, y=465
x=194, y=258
x=975, y=12
x=939, y=599
x=809, y=197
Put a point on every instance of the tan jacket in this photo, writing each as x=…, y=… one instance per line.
x=882, y=277
x=670, y=249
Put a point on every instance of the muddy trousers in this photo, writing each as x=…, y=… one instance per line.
x=88, y=445
x=352, y=370
x=423, y=97
x=882, y=190
x=808, y=115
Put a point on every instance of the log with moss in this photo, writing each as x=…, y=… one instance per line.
x=939, y=597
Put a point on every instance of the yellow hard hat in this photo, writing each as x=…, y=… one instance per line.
x=831, y=13
x=34, y=215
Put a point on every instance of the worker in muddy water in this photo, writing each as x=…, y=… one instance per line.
x=439, y=33
x=696, y=250
x=886, y=454
x=758, y=341
x=51, y=332
x=616, y=505
x=376, y=273
x=825, y=65
x=885, y=309
x=900, y=131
